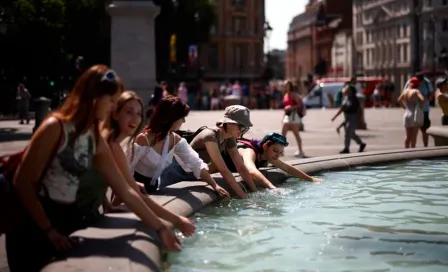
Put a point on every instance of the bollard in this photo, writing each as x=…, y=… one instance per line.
x=42, y=108
x=362, y=121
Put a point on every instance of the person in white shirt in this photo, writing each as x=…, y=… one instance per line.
x=125, y=123
x=158, y=144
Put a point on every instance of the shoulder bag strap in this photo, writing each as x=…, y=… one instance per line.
x=160, y=169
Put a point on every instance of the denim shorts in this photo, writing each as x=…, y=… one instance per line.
x=175, y=174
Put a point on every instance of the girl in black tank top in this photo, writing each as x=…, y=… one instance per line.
x=257, y=154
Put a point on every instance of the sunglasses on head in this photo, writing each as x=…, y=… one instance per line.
x=109, y=76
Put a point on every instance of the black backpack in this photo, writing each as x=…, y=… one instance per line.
x=189, y=135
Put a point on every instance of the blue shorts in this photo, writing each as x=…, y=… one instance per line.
x=175, y=174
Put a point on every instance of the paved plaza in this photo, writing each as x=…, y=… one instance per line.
x=385, y=131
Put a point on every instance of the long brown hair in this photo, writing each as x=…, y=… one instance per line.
x=288, y=87
x=168, y=110
x=80, y=106
x=113, y=127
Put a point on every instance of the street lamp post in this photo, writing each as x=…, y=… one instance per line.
x=267, y=33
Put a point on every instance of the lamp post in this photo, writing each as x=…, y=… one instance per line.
x=267, y=34
x=415, y=37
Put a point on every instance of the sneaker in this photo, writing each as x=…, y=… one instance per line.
x=299, y=154
x=362, y=147
x=344, y=151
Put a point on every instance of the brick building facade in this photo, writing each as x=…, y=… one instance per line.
x=311, y=35
x=235, y=50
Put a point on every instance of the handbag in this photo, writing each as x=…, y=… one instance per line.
x=13, y=212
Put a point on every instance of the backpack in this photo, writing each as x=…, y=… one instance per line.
x=13, y=213
x=189, y=135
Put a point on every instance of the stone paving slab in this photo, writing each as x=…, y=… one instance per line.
x=385, y=131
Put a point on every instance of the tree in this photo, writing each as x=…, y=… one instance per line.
x=190, y=20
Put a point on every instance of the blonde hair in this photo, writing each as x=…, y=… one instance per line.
x=113, y=128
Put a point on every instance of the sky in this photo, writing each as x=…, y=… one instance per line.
x=279, y=14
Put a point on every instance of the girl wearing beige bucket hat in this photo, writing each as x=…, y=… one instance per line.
x=210, y=143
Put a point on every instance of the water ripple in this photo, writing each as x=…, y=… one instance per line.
x=380, y=218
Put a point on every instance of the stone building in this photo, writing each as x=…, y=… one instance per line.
x=235, y=50
x=311, y=35
x=341, y=54
x=382, y=31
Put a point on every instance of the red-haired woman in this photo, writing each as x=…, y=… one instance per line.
x=72, y=134
x=158, y=144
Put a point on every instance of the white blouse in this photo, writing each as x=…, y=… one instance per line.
x=146, y=159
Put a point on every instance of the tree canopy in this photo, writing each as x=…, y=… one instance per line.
x=42, y=38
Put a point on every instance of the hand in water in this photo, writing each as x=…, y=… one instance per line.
x=186, y=226
x=317, y=180
x=222, y=192
x=169, y=239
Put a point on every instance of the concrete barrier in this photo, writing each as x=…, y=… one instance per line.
x=120, y=242
x=439, y=134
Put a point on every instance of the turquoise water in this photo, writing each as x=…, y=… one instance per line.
x=381, y=218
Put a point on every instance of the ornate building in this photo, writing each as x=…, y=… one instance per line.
x=382, y=32
x=311, y=35
x=236, y=47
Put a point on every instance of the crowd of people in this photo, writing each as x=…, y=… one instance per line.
x=97, y=139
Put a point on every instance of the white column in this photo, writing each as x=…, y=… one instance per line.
x=133, y=44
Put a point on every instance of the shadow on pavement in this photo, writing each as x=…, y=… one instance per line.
x=13, y=134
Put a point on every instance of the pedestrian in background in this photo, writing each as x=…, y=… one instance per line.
x=23, y=103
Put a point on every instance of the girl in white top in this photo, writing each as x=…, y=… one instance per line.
x=158, y=144
x=126, y=122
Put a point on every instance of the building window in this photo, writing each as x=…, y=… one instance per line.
x=213, y=57
x=256, y=25
x=258, y=56
x=239, y=4
x=405, y=52
x=239, y=25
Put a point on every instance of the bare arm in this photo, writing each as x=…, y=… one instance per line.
x=337, y=114
x=105, y=162
x=291, y=170
x=248, y=156
x=441, y=97
x=32, y=166
x=215, y=155
x=241, y=168
x=400, y=98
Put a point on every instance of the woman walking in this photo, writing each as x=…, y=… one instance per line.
x=412, y=100
x=291, y=120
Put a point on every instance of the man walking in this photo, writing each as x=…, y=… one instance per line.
x=427, y=91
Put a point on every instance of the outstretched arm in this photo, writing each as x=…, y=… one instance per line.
x=295, y=172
